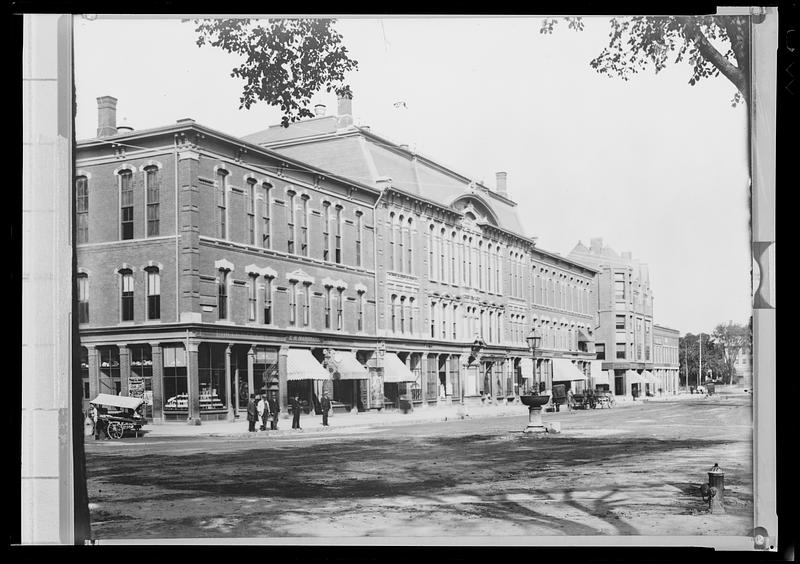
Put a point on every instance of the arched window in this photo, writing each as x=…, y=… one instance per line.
x=221, y=191
x=153, y=292
x=393, y=313
x=291, y=212
x=83, y=298
x=489, y=277
x=152, y=179
x=444, y=321
x=431, y=262
x=304, y=225
x=328, y=307
x=451, y=251
x=402, y=314
x=400, y=238
x=268, y=300
x=250, y=211
x=82, y=208
x=359, y=236
x=480, y=265
x=266, y=215
x=442, y=257
x=360, y=313
x=409, y=249
x=338, y=250
x=306, y=303
x=455, y=322
x=126, y=204
x=433, y=319
x=126, y=294
x=326, y=234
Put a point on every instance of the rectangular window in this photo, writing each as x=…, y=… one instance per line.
x=326, y=235
x=268, y=302
x=401, y=233
x=304, y=227
x=293, y=304
x=250, y=211
x=82, y=208
x=327, y=308
x=175, y=379
x=600, y=349
x=360, y=323
x=153, y=180
x=455, y=321
x=83, y=298
x=402, y=315
x=411, y=315
x=620, y=322
x=393, y=313
x=153, y=294
x=433, y=319
x=290, y=235
x=306, y=304
x=359, y=234
x=266, y=240
x=252, y=298
x=619, y=286
x=126, y=204
x=621, y=350
x=339, y=311
x=338, y=256
x=222, y=295
x=222, y=202
x=444, y=321
x=127, y=296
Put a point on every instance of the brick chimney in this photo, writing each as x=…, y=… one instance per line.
x=501, y=183
x=596, y=245
x=345, y=111
x=106, y=116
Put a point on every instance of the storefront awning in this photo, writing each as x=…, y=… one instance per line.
x=583, y=337
x=599, y=375
x=394, y=371
x=301, y=365
x=123, y=402
x=346, y=366
x=564, y=370
x=634, y=377
x=526, y=367
x=649, y=378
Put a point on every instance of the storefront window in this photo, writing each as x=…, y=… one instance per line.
x=265, y=370
x=140, y=382
x=176, y=385
x=211, y=375
x=85, y=372
x=110, y=382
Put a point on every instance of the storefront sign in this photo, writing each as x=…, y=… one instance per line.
x=136, y=386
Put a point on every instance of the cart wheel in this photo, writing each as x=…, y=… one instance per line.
x=115, y=430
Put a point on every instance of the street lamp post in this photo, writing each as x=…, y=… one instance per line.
x=534, y=401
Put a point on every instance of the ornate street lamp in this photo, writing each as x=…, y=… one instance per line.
x=534, y=401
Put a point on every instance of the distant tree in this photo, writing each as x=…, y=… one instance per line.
x=286, y=61
x=689, y=349
x=732, y=338
x=712, y=45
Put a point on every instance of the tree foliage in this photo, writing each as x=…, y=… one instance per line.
x=285, y=61
x=689, y=354
x=711, y=45
x=733, y=338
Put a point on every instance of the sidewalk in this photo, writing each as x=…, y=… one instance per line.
x=341, y=421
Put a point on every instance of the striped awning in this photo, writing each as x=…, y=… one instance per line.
x=345, y=366
x=565, y=371
x=649, y=378
x=599, y=376
x=526, y=367
x=394, y=371
x=301, y=365
x=634, y=377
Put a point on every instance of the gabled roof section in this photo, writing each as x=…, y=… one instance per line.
x=305, y=128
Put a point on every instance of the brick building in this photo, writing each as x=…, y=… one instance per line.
x=625, y=330
x=211, y=267
x=666, y=364
x=452, y=259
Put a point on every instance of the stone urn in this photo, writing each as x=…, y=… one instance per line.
x=534, y=401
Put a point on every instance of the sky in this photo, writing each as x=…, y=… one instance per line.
x=652, y=165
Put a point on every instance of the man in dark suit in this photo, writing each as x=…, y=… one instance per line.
x=252, y=413
x=325, y=404
x=273, y=410
x=296, y=412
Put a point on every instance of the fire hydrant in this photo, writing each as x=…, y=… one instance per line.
x=713, y=492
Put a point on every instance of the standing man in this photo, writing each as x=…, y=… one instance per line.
x=260, y=409
x=325, y=404
x=273, y=411
x=252, y=413
x=296, y=412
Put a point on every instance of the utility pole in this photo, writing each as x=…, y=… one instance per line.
x=700, y=368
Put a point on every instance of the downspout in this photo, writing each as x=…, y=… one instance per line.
x=375, y=254
x=177, y=240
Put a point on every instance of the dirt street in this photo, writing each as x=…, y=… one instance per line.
x=623, y=471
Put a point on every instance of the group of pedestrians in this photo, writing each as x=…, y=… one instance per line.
x=261, y=408
x=264, y=409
